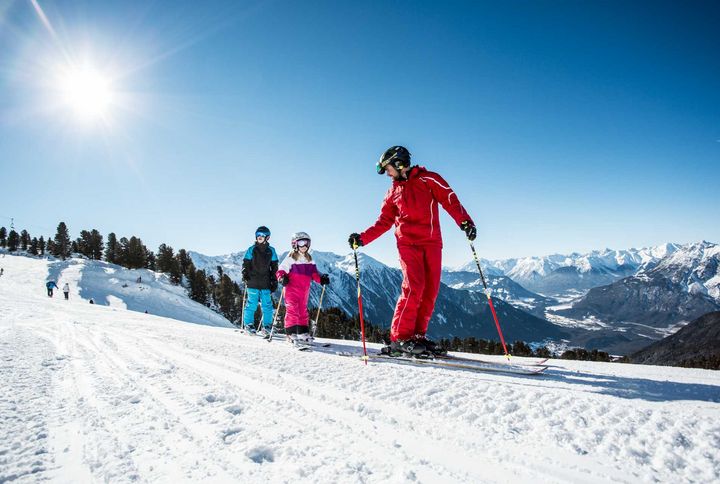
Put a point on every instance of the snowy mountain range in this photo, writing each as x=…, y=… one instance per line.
x=556, y=274
x=458, y=312
x=657, y=300
x=604, y=318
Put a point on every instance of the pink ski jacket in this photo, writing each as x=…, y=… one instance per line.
x=301, y=273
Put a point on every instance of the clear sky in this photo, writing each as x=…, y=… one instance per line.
x=562, y=126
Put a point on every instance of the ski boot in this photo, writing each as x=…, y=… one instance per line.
x=407, y=349
x=431, y=346
x=247, y=328
x=263, y=332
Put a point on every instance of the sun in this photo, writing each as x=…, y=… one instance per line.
x=86, y=92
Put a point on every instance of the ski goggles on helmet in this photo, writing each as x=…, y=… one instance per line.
x=302, y=243
x=380, y=165
x=262, y=234
x=394, y=161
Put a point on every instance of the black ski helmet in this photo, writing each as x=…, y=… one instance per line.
x=397, y=156
x=262, y=230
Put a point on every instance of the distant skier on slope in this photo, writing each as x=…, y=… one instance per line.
x=411, y=204
x=50, y=285
x=259, y=267
x=296, y=273
x=66, y=291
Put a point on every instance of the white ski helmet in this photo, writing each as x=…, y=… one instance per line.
x=297, y=236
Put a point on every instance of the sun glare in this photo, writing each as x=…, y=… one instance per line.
x=86, y=92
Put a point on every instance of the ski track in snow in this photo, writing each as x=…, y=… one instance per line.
x=92, y=393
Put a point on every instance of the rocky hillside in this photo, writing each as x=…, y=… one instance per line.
x=696, y=345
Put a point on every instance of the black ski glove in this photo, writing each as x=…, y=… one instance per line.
x=273, y=284
x=284, y=279
x=355, y=240
x=245, y=275
x=324, y=279
x=469, y=228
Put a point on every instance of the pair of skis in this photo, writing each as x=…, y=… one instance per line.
x=535, y=367
x=457, y=362
x=307, y=345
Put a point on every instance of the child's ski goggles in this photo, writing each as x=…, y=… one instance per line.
x=303, y=243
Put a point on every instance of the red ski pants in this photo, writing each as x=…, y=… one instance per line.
x=421, y=268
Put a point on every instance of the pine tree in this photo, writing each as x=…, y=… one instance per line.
x=185, y=262
x=198, y=285
x=62, y=245
x=3, y=237
x=521, y=349
x=24, y=239
x=174, y=273
x=41, y=245
x=165, y=256
x=112, y=250
x=168, y=263
x=543, y=352
x=225, y=297
x=96, y=245
x=134, y=253
x=13, y=241
x=151, y=260
x=122, y=252
x=33, y=246
x=50, y=246
x=83, y=243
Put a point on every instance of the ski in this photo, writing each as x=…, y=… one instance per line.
x=322, y=345
x=472, y=365
x=301, y=346
x=481, y=360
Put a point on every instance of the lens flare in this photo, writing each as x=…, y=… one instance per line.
x=86, y=92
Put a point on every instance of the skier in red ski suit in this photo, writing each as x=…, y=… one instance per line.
x=411, y=204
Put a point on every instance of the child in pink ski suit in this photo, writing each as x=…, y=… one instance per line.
x=296, y=273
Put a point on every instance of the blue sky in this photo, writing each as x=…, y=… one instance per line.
x=563, y=126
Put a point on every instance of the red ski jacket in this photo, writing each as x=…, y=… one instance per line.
x=412, y=205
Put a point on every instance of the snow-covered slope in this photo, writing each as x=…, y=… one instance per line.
x=117, y=287
x=91, y=393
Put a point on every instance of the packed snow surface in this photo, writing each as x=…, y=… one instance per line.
x=94, y=393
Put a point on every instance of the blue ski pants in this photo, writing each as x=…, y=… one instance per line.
x=253, y=295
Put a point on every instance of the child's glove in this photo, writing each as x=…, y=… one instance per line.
x=324, y=279
x=273, y=284
x=284, y=279
x=245, y=275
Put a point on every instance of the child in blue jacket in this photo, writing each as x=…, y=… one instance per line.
x=259, y=267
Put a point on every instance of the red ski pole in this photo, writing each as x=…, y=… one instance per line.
x=488, y=293
x=360, y=307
